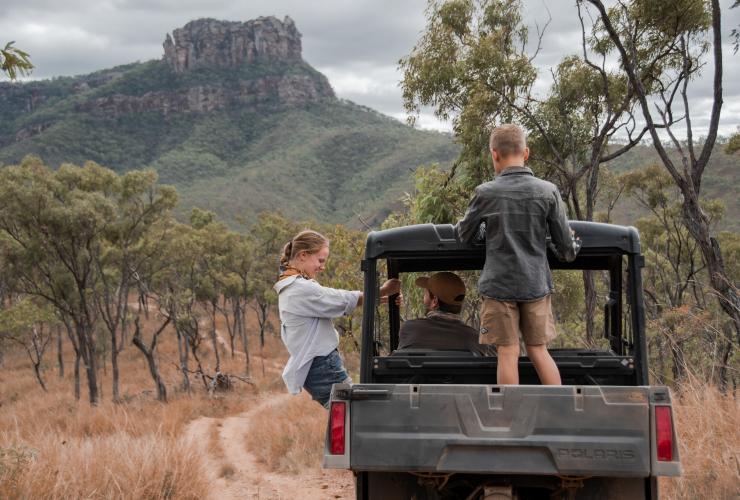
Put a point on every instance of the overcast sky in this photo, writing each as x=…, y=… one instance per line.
x=356, y=43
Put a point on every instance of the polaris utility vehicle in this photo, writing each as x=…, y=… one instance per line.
x=427, y=424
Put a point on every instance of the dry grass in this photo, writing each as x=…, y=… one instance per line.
x=289, y=437
x=112, y=466
x=708, y=424
x=52, y=446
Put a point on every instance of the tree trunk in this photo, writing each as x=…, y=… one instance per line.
x=239, y=311
x=150, y=359
x=262, y=320
x=37, y=371
x=60, y=351
x=77, y=374
x=114, y=365
x=182, y=350
x=727, y=296
x=214, y=339
x=230, y=328
x=124, y=325
x=87, y=348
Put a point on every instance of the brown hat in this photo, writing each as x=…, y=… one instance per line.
x=447, y=287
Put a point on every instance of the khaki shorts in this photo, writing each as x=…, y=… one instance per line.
x=501, y=322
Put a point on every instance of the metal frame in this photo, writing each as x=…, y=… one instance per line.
x=597, y=260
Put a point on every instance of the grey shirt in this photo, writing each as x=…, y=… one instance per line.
x=519, y=212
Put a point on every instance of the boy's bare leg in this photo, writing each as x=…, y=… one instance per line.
x=544, y=364
x=507, y=371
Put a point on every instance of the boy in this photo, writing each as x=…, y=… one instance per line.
x=518, y=210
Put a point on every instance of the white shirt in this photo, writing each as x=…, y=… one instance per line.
x=306, y=310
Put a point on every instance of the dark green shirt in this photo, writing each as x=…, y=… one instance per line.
x=440, y=331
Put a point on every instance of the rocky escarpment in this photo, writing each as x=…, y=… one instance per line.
x=270, y=47
x=224, y=44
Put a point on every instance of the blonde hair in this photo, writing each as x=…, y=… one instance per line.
x=507, y=139
x=305, y=241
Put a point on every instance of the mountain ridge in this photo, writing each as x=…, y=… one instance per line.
x=231, y=107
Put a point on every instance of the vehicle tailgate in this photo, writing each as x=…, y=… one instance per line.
x=569, y=430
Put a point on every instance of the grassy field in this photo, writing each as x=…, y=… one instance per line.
x=254, y=440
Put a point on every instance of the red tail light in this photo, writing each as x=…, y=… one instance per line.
x=336, y=427
x=664, y=433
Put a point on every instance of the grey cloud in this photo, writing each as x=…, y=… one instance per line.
x=357, y=43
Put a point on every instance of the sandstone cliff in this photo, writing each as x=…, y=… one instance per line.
x=203, y=45
x=212, y=43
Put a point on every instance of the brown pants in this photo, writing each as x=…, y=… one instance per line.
x=501, y=322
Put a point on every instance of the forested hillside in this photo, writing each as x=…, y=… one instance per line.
x=237, y=130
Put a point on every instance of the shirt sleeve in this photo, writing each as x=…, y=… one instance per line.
x=314, y=300
x=468, y=228
x=564, y=245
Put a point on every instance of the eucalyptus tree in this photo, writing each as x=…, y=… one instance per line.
x=472, y=65
x=235, y=285
x=31, y=326
x=54, y=223
x=682, y=34
x=173, y=285
x=212, y=242
x=123, y=255
x=675, y=270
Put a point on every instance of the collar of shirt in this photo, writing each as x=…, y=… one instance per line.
x=516, y=170
x=443, y=315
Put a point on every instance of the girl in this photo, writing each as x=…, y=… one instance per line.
x=306, y=310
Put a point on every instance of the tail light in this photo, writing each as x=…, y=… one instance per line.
x=664, y=433
x=336, y=427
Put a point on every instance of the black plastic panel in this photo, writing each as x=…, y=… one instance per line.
x=440, y=239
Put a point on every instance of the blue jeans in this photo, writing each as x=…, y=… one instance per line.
x=325, y=371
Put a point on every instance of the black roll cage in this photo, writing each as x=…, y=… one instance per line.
x=429, y=247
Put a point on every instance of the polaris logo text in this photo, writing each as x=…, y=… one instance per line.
x=596, y=454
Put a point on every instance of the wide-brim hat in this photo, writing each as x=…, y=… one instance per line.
x=446, y=286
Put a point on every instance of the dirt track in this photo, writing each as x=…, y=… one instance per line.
x=235, y=473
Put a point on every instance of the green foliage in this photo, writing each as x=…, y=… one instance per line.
x=75, y=238
x=469, y=65
x=21, y=316
x=14, y=61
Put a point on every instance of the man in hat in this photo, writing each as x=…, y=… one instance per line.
x=441, y=328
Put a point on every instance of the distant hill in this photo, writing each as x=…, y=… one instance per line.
x=234, y=118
